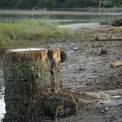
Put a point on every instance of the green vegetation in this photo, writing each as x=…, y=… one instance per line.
x=31, y=31
x=34, y=33
x=52, y=4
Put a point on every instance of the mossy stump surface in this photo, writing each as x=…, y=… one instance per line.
x=32, y=85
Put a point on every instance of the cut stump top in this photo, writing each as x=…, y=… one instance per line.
x=27, y=50
x=37, y=53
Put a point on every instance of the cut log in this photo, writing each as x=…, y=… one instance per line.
x=30, y=76
x=108, y=39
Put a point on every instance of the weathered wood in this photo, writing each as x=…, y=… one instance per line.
x=31, y=75
x=58, y=105
x=108, y=39
x=116, y=64
x=43, y=64
x=2, y=52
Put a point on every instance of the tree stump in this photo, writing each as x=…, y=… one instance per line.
x=32, y=85
x=117, y=22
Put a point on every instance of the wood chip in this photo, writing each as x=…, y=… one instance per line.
x=116, y=64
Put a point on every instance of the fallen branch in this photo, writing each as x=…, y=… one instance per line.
x=108, y=39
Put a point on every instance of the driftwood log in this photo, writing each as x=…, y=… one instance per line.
x=108, y=39
x=33, y=86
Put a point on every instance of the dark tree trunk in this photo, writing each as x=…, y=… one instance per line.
x=33, y=86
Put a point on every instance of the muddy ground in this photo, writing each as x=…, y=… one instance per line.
x=87, y=69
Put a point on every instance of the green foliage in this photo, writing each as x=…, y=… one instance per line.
x=51, y=4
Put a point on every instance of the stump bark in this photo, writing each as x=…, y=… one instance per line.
x=33, y=85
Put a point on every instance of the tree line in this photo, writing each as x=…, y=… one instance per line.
x=52, y=4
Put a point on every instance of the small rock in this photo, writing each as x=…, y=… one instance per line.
x=75, y=48
x=103, y=51
x=102, y=111
x=81, y=68
x=102, y=103
x=106, y=109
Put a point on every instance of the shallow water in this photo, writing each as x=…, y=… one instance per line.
x=2, y=105
x=63, y=19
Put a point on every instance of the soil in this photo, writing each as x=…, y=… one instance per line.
x=88, y=69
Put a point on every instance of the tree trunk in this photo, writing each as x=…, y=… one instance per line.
x=108, y=39
x=31, y=75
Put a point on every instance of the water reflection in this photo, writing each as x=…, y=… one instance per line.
x=61, y=19
x=2, y=104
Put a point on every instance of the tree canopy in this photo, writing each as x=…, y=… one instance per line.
x=51, y=4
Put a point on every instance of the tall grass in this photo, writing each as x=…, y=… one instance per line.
x=11, y=33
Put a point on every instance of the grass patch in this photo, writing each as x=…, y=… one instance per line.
x=85, y=35
x=34, y=33
x=11, y=34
